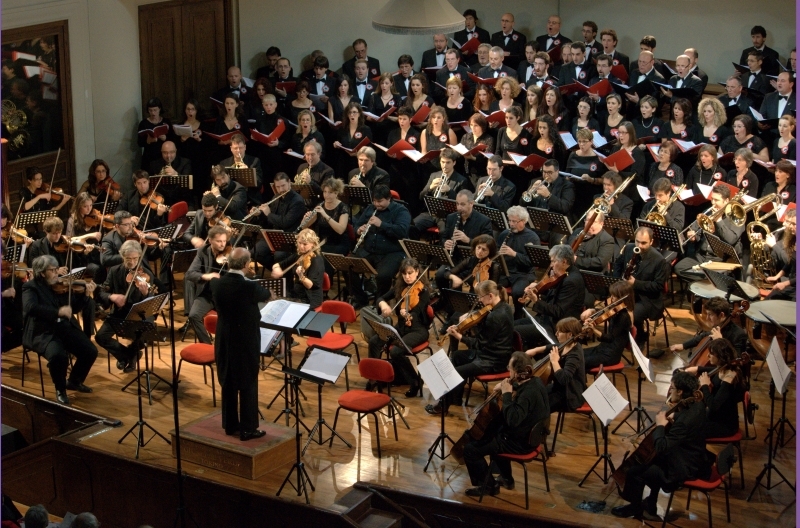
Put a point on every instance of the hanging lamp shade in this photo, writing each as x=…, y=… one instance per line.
x=418, y=17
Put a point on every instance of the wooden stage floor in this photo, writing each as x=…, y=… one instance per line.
x=333, y=470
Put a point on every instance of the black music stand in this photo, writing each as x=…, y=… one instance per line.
x=246, y=177
x=666, y=238
x=306, y=191
x=13, y=252
x=498, y=217
x=294, y=377
x=181, y=260
x=34, y=217
x=539, y=255
x=598, y=283
x=177, y=180
x=461, y=301
x=355, y=195
x=279, y=240
x=544, y=220
x=169, y=231
x=780, y=425
x=109, y=207
x=278, y=288
x=389, y=336
x=639, y=410
x=722, y=249
x=334, y=362
x=462, y=252
x=349, y=265
x=619, y=228
x=440, y=207
x=138, y=330
x=244, y=229
x=139, y=313
x=426, y=254
x=727, y=284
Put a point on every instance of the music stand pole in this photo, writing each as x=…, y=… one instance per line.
x=440, y=440
x=302, y=476
x=290, y=391
x=638, y=410
x=769, y=467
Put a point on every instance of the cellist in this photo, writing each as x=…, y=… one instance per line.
x=488, y=352
x=524, y=405
x=309, y=270
x=718, y=315
x=680, y=453
x=412, y=296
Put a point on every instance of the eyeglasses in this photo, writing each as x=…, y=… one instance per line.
x=550, y=172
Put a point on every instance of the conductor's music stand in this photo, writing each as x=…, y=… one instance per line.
x=389, y=338
x=597, y=283
x=293, y=377
x=440, y=207
x=619, y=228
x=35, y=217
x=140, y=312
x=544, y=220
x=247, y=177
x=498, y=217
x=426, y=254
x=139, y=330
x=328, y=366
x=355, y=195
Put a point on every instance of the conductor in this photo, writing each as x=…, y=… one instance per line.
x=236, y=348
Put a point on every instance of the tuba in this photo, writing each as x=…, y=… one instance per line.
x=760, y=254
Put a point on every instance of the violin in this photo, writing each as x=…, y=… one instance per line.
x=81, y=247
x=95, y=217
x=20, y=235
x=548, y=282
x=605, y=313
x=56, y=194
x=154, y=199
x=149, y=239
x=219, y=218
x=64, y=285
x=63, y=244
x=141, y=278
x=411, y=296
x=10, y=269
x=222, y=257
x=111, y=188
x=473, y=319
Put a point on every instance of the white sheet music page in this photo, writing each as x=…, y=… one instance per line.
x=324, y=364
x=604, y=399
x=283, y=313
x=644, y=363
x=781, y=373
x=439, y=374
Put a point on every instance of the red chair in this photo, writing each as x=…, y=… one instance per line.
x=537, y=438
x=332, y=340
x=583, y=410
x=720, y=471
x=395, y=195
x=202, y=354
x=176, y=211
x=486, y=379
x=735, y=439
x=364, y=402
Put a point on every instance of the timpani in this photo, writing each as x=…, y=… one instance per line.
x=705, y=289
x=783, y=313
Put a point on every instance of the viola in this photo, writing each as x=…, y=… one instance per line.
x=149, y=239
x=56, y=193
x=154, y=199
x=473, y=319
x=607, y=312
x=141, y=278
x=219, y=218
x=81, y=247
x=111, y=188
x=222, y=257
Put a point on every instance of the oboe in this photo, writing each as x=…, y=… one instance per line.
x=364, y=233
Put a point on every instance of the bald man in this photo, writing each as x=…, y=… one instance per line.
x=553, y=38
x=684, y=80
x=237, y=85
x=511, y=40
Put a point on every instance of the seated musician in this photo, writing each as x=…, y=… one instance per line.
x=501, y=194
x=674, y=215
x=284, y=214
x=782, y=245
x=330, y=221
x=556, y=303
x=313, y=172
x=568, y=382
x=144, y=215
x=205, y=267
x=309, y=269
x=241, y=160
x=697, y=249
x=621, y=205
x=411, y=301
x=171, y=164
x=489, y=351
x=197, y=231
x=512, y=247
x=595, y=252
x=647, y=272
x=124, y=229
x=786, y=289
x=226, y=190
x=615, y=337
x=723, y=384
x=465, y=224
x=53, y=228
x=122, y=290
x=718, y=315
x=368, y=174
x=52, y=331
x=680, y=452
x=556, y=194
x=78, y=226
x=525, y=404
x=481, y=266
x=446, y=183
x=33, y=197
x=11, y=299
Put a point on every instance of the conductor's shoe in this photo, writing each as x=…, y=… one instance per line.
x=258, y=433
x=80, y=387
x=627, y=511
x=62, y=397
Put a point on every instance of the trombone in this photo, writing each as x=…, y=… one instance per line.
x=738, y=212
x=603, y=203
x=658, y=214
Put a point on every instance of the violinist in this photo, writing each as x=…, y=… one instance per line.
x=139, y=203
x=197, y=231
x=124, y=229
x=127, y=283
x=36, y=195
x=52, y=331
x=563, y=300
x=410, y=298
x=524, y=405
x=481, y=266
x=205, y=267
x=11, y=300
x=99, y=184
x=718, y=315
x=489, y=351
x=84, y=224
x=225, y=190
x=615, y=338
x=680, y=452
x=53, y=243
x=309, y=269
x=20, y=235
x=284, y=214
x=568, y=381
x=512, y=244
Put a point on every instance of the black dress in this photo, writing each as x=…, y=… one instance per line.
x=474, y=169
x=345, y=163
x=316, y=268
x=150, y=151
x=522, y=144
x=585, y=190
x=435, y=142
x=197, y=152
x=722, y=404
x=334, y=242
x=789, y=151
x=649, y=129
x=381, y=129
x=731, y=144
x=565, y=391
x=687, y=134
x=405, y=174
x=716, y=138
x=673, y=173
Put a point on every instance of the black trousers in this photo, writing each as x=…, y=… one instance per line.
x=465, y=362
x=638, y=477
x=68, y=339
x=386, y=264
x=518, y=282
x=240, y=407
x=602, y=354
x=200, y=307
x=492, y=443
x=403, y=369
x=105, y=338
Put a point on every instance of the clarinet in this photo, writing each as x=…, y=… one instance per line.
x=460, y=227
x=364, y=233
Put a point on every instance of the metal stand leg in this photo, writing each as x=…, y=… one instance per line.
x=440, y=440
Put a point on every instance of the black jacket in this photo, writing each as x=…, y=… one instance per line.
x=40, y=307
x=570, y=380
x=373, y=68
x=235, y=193
x=561, y=199
x=556, y=42
x=681, y=450
x=520, y=264
x=456, y=182
x=731, y=331
x=769, y=108
x=565, y=300
x=494, y=339
x=395, y=221
x=596, y=253
x=374, y=177
x=503, y=194
x=676, y=214
x=204, y=262
x=515, y=46
x=182, y=166
x=651, y=274
x=476, y=224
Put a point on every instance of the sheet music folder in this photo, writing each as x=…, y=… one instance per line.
x=293, y=317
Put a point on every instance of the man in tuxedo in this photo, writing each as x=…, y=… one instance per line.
x=556, y=194
x=581, y=69
x=684, y=80
x=527, y=69
x=272, y=54
x=694, y=69
x=452, y=68
x=645, y=70
x=511, y=41
x=603, y=65
x=608, y=37
x=471, y=31
x=496, y=68
x=754, y=81
x=553, y=38
x=648, y=43
x=363, y=86
x=237, y=85
x=769, y=56
x=405, y=63
x=589, y=32
x=541, y=63
x=783, y=101
x=238, y=345
x=283, y=73
x=735, y=98
x=360, y=53
x=238, y=143
x=434, y=57
x=483, y=58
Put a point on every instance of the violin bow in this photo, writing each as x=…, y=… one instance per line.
x=14, y=225
x=55, y=166
x=422, y=274
x=105, y=204
x=222, y=214
x=150, y=200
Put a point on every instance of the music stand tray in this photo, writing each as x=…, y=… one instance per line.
x=305, y=190
x=619, y=228
x=75, y=275
x=245, y=229
x=355, y=195
x=597, y=283
x=461, y=302
x=349, y=264
x=664, y=236
x=498, y=217
x=544, y=220
x=440, y=207
x=539, y=255
x=426, y=254
x=178, y=180
x=35, y=217
x=279, y=240
x=13, y=252
x=246, y=177
x=181, y=260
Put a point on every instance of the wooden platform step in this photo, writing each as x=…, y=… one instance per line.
x=356, y=505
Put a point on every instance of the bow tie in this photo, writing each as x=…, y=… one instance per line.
x=783, y=97
x=359, y=83
x=439, y=53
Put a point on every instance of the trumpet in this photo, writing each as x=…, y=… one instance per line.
x=364, y=233
x=658, y=214
x=488, y=184
x=299, y=179
x=528, y=195
x=738, y=212
x=239, y=164
x=442, y=183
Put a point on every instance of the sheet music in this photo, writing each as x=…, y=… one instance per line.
x=781, y=373
x=644, y=192
x=325, y=365
x=439, y=374
x=604, y=399
x=644, y=363
x=182, y=130
x=268, y=338
x=598, y=140
x=283, y=313
x=540, y=328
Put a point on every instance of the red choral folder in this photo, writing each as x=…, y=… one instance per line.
x=273, y=136
x=160, y=130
